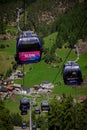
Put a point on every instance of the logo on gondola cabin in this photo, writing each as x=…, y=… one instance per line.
x=28, y=55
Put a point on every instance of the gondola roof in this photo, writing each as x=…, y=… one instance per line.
x=24, y=100
x=45, y=103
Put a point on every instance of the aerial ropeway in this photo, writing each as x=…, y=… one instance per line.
x=24, y=125
x=72, y=74
x=45, y=106
x=24, y=105
x=28, y=48
x=34, y=127
x=37, y=110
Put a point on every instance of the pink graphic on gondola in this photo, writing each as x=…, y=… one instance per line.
x=29, y=56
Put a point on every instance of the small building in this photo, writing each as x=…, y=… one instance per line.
x=26, y=89
x=23, y=90
x=4, y=93
x=10, y=87
x=3, y=89
x=36, y=87
x=17, y=86
x=7, y=81
x=43, y=91
x=20, y=75
x=46, y=85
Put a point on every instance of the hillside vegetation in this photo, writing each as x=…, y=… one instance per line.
x=59, y=24
x=43, y=16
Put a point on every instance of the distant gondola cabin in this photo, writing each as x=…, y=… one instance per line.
x=34, y=127
x=72, y=74
x=45, y=106
x=37, y=110
x=24, y=105
x=24, y=126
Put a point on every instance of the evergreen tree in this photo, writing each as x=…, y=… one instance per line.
x=5, y=120
x=16, y=119
x=81, y=116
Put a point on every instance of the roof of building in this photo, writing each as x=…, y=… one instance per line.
x=3, y=89
x=10, y=87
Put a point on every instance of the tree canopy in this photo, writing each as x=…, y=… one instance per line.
x=67, y=115
x=5, y=120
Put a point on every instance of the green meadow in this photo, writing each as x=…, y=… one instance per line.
x=6, y=55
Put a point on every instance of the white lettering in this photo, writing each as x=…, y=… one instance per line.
x=29, y=55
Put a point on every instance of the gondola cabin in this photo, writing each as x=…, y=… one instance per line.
x=72, y=74
x=45, y=107
x=37, y=110
x=34, y=127
x=24, y=125
x=28, y=48
x=24, y=105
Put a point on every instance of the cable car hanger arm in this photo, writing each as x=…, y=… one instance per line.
x=19, y=12
x=77, y=52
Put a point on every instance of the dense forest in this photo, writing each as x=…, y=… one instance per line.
x=44, y=17
x=5, y=120
x=64, y=115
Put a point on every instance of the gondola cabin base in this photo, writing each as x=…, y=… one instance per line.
x=24, y=112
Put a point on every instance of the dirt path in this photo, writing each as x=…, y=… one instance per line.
x=14, y=98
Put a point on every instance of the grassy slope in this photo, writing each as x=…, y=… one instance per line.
x=6, y=55
x=50, y=40
x=83, y=64
x=40, y=72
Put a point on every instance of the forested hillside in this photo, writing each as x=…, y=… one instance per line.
x=72, y=26
x=46, y=17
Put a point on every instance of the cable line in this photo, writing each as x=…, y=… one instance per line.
x=83, y=23
x=62, y=65
x=24, y=14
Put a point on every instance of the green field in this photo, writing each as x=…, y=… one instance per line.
x=6, y=55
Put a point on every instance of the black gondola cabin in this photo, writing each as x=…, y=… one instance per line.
x=24, y=105
x=72, y=74
x=24, y=126
x=45, y=107
x=37, y=110
x=34, y=127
